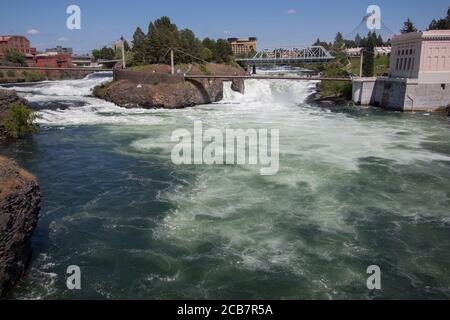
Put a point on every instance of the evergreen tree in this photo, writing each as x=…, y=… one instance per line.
x=223, y=53
x=380, y=41
x=339, y=40
x=139, y=46
x=189, y=44
x=162, y=36
x=441, y=24
x=369, y=56
x=408, y=27
x=358, y=40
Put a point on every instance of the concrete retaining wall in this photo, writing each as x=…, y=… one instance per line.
x=401, y=94
x=363, y=90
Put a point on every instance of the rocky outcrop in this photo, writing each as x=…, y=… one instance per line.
x=19, y=207
x=149, y=88
x=7, y=97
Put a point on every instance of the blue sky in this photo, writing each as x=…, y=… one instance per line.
x=274, y=22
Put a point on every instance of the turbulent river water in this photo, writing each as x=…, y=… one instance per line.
x=356, y=187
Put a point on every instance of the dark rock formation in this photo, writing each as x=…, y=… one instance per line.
x=19, y=207
x=150, y=89
x=6, y=98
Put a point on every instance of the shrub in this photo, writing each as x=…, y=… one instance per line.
x=34, y=76
x=336, y=89
x=19, y=120
x=16, y=57
x=11, y=73
x=99, y=91
x=2, y=75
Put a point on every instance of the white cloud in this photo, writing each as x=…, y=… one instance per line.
x=291, y=11
x=226, y=32
x=63, y=39
x=33, y=32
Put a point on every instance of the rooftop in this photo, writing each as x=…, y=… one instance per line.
x=426, y=35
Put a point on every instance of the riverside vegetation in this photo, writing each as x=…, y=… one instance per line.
x=19, y=194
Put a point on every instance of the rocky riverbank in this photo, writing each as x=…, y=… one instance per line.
x=319, y=99
x=19, y=207
x=154, y=86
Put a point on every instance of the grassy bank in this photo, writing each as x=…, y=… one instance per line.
x=381, y=66
x=12, y=76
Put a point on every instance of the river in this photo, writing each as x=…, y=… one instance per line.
x=356, y=187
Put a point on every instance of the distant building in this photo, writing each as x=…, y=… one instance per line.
x=243, y=46
x=60, y=49
x=379, y=51
x=117, y=45
x=53, y=60
x=18, y=43
x=419, y=78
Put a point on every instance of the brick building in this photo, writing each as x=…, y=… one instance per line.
x=54, y=60
x=18, y=43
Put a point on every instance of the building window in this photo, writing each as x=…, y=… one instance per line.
x=396, y=66
x=409, y=63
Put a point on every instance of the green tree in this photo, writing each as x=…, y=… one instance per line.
x=224, y=53
x=441, y=24
x=19, y=120
x=105, y=53
x=408, y=27
x=190, y=45
x=339, y=40
x=210, y=44
x=358, y=40
x=16, y=57
x=207, y=55
x=369, y=56
x=162, y=36
x=139, y=46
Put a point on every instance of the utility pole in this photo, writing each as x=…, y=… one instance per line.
x=361, y=63
x=124, y=63
x=172, y=62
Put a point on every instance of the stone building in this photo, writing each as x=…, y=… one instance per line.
x=243, y=46
x=419, y=78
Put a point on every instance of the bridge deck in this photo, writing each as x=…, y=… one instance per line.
x=233, y=77
x=56, y=69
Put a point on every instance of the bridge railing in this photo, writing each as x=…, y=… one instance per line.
x=290, y=55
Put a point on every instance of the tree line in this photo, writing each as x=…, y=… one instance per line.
x=154, y=46
x=369, y=42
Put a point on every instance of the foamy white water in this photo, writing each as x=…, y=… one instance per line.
x=355, y=187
